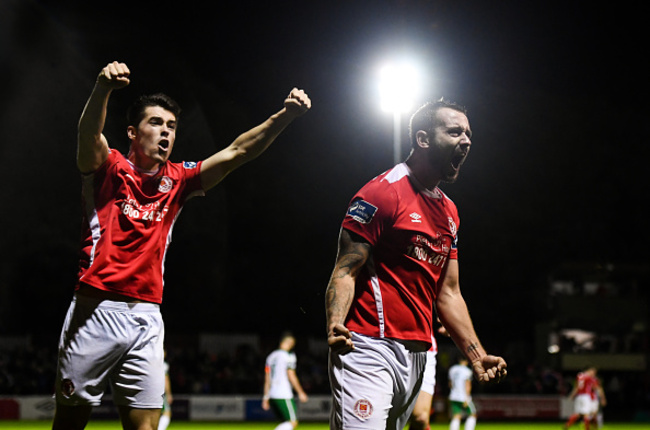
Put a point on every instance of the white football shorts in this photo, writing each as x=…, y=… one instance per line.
x=375, y=385
x=429, y=379
x=584, y=405
x=104, y=342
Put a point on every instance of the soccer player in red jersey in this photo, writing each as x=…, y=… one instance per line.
x=397, y=258
x=587, y=394
x=113, y=333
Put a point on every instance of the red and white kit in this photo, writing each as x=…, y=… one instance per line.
x=413, y=232
x=586, y=400
x=128, y=219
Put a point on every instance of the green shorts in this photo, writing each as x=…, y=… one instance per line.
x=284, y=409
x=460, y=408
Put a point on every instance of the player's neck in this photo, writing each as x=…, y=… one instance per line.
x=423, y=173
x=143, y=164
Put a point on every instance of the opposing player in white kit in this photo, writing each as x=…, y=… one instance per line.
x=460, y=396
x=113, y=333
x=397, y=257
x=280, y=380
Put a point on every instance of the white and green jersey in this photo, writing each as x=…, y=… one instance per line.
x=458, y=375
x=277, y=364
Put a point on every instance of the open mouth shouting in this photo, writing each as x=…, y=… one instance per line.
x=163, y=145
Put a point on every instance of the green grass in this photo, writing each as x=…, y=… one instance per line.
x=184, y=425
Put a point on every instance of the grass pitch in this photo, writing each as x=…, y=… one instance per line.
x=185, y=425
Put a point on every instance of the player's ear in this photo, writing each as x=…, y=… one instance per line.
x=131, y=132
x=422, y=139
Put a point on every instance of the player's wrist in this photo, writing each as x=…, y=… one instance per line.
x=475, y=353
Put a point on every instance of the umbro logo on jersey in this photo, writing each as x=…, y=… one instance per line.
x=416, y=217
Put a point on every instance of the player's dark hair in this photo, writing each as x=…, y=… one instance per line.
x=425, y=117
x=286, y=334
x=135, y=112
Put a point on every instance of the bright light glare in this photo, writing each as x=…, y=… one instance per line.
x=398, y=87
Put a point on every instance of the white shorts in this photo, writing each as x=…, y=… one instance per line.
x=429, y=379
x=120, y=343
x=375, y=385
x=584, y=405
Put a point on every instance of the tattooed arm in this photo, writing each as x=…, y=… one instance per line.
x=453, y=313
x=352, y=254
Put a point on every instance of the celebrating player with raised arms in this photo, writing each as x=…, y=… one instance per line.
x=113, y=333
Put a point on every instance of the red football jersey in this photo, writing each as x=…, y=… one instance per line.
x=127, y=224
x=413, y=232
x=587, y=384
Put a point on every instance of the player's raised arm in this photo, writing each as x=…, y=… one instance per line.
x=253, y=142
x=92, y=147
x=353, y=252
x=454, y=315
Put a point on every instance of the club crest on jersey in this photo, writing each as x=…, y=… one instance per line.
x=165, y=184
x=452, y=226
x=362, y=211
x=363, y=408
x=189, y=164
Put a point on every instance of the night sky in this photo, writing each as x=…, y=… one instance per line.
x=556, y=174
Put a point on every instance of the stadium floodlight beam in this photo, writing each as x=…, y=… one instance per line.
x=398, y=87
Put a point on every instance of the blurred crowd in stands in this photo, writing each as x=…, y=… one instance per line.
x=29, y=370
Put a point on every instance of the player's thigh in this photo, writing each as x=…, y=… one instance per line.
x=88, y=350
x=71, y=417
x=422, y=409
x=139, y=419
x=139, y=380
x=362, y=389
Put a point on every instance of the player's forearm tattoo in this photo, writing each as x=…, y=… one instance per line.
x=472, y=348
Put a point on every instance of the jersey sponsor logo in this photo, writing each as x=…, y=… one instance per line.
x=362, y=211
x=416, y=217
x=165, y=184
x=433, y=251
x=147, y=212
x=189, y=164
x=363, y=408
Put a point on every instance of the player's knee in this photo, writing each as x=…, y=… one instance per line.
x=419, y=420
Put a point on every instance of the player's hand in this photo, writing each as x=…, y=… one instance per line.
x=490, y=368
x=339, y=339
x=297, y=103
x=303, y=397
x=265, y=404
x=114, y=76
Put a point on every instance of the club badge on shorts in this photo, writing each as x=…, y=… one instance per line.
x=67, y=388
x=363, y=408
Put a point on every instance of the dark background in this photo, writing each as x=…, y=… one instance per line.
x=556, y=99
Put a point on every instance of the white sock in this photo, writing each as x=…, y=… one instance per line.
x=470, y=423
x=163, y=422
x=455, y=424
x=285, y=426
